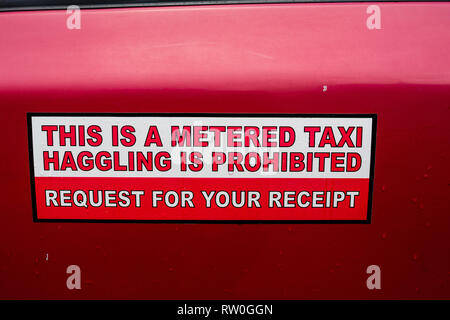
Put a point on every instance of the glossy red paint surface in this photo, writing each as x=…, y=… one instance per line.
x=237, y=58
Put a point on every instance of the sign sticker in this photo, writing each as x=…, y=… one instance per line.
x=274, y=168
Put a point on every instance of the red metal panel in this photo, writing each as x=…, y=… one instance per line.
x=236, y=58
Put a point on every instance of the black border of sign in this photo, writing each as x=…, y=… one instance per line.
x=368, y=220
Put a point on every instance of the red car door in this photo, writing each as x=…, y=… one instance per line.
x=381, y=67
